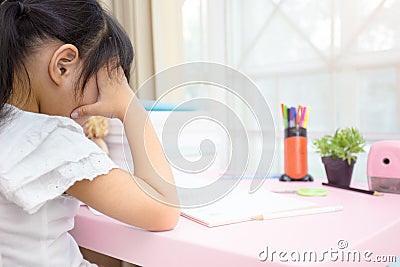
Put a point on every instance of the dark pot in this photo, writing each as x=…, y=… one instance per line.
x=338, y=171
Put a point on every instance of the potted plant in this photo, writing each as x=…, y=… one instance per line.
x=339, y=154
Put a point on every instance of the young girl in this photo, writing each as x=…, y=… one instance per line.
x=61, y=61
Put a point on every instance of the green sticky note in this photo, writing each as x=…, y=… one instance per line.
x=311, y=192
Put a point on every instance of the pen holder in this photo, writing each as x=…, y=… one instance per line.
x=295, y=153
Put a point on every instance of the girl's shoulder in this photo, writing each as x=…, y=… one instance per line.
x=20, y=123
x=28, y=135
x=41, y=156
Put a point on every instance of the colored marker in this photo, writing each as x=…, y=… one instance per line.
x=306, y=118
x=299, y=108
x=285, y=115
x=303, y=114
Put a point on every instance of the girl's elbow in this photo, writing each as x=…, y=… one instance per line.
x=165, y=220
x=166, y=216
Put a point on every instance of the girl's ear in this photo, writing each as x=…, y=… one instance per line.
x=63, y=63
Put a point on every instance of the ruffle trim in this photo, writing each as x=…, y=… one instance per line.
x=28, y=132
x=33, y=196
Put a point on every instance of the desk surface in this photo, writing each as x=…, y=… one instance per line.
x=367, y=223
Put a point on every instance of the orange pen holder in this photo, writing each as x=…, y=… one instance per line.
x=295, y=153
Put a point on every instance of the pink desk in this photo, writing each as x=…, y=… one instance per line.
x=368, y=224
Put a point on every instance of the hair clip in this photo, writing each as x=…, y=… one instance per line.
x=23, y=10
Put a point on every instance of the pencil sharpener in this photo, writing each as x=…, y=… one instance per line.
x=383, y=167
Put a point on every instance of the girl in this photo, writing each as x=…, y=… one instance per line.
x=62, y=59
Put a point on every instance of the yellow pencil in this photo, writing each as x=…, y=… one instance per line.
x=306, y=117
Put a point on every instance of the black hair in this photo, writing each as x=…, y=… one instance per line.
x=24, y=24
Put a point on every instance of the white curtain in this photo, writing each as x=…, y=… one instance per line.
x=154, y=27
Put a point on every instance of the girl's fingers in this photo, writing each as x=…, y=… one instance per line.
x=113, y=90
x=85, y=111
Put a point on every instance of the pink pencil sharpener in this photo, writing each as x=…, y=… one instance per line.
x=383, y=167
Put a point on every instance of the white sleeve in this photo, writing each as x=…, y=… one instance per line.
x=58, y=157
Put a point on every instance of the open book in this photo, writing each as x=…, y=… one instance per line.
x=240, y=206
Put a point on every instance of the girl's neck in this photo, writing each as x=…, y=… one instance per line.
x=22, y=103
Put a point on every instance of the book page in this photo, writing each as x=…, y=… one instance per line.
x=239, y=205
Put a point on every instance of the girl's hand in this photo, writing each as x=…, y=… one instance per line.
x=114, y=96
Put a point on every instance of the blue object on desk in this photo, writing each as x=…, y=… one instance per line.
x=151, y=105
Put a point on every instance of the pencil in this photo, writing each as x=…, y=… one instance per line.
x=299, y=108
x=306, y=118
x=285, y=116
x=297, y=212
x=283, y=110
x=375, y=193
x=303, y=114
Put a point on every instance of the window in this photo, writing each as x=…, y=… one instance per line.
x=339, y=57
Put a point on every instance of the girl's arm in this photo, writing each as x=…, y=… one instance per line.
x=140, y=200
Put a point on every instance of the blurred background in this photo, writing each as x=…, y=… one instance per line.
x=339, y=57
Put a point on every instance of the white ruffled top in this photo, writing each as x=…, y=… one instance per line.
x=41, y=156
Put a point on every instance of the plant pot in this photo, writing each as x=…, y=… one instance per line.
x=338, y=171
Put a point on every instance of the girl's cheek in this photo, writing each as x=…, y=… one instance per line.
x=90, y=96
x=91, y=93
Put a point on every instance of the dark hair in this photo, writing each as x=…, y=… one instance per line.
x=24, y=24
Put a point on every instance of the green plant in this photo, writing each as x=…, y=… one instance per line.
x=344, y=144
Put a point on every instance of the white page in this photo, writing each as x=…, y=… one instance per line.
x=239, y=206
